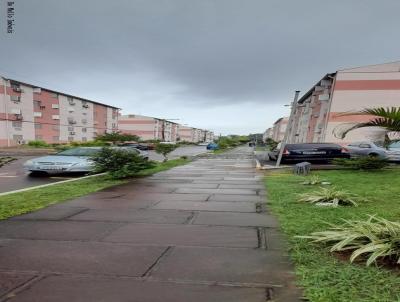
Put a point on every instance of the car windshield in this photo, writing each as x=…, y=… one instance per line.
x=395, y=145
x=79, y=152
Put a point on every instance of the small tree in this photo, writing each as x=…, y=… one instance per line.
x=119, y=163
x=117, y=137
x=165, y=149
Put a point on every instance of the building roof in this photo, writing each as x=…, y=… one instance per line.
x=59, y=92
x=309, y=92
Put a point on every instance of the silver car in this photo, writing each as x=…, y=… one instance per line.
x=71, y=160
x=374, y=149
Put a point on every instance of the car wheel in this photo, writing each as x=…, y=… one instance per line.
x=38, y=174
x=373, y=155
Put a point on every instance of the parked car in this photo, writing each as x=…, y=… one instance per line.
x=375, y=149
x=393, y=151
x=359, y=149
x=309, y=152
x=71, y=161
x=212, y=146
x=143, y=147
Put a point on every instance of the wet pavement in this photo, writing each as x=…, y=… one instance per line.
x=199, y=232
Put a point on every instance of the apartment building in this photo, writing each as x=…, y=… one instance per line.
x=277, y=131
x=29, y=112
x=267, y=134
x=318, y=113
x=187, y=134
x=149, y=128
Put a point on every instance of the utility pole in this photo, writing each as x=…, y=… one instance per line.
x=289, y=127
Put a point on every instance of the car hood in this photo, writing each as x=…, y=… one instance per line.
x=60, y=159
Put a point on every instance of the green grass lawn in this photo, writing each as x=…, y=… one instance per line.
x=324, y=277
x=28, y=201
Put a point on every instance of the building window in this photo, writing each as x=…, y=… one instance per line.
x=84, y=121
x=54, y=95
x=84, y=113
x=56, y=127
x=56, y=138
x=18, y=137
x=38, y=126
x=70, y=138
x=84, y=139
x=84, y=130
x=17, y=124
x=38, y=137
x=70, y=128
x=37, y=104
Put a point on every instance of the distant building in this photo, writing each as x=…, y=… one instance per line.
x=279, y=128
x=149, y=128
x=318, y=112
x=267, y=134
x=194, y=135
x=29, y=112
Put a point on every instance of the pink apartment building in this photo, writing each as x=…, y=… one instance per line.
x=29, y=112
x=317, y=116
x=277, y=132
x=149, y=128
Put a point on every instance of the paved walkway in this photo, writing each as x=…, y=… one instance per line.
x=197, y=233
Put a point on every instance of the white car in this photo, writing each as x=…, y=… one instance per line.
x=375, y=149
x=71, y=160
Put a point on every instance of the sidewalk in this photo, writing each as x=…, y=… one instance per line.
x=195, y=233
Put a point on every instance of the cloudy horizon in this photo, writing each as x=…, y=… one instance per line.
x=225, y=65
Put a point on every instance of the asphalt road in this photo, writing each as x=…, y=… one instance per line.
x=13, y=176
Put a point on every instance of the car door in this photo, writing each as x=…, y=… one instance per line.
x=364, y=149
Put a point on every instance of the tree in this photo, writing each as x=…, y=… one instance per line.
x=119, y=163
x=386, y=118
x=165, y=149
x=117, y=137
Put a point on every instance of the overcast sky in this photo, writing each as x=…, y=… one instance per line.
x=225, y=65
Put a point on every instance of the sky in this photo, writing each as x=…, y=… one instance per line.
x=225, y=65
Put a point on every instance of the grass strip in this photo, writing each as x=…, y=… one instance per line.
x=28, y=201
x=324, y=277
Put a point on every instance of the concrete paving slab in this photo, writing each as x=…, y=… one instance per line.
x=11, y=280
x=236, y=198
x=185, y=235
x=115, y=203
x=146, y=216
x=216, y=191
x=206, y=206
x=163, y=197
x=182, y=185
x=241, y=186
x=78, y=257
x=83, y=289
x=55, y=230
x=225, y=265
x=236, y=219
x=50, y=213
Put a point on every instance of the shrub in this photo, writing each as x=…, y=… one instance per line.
x=362, y=163
x=38, y=144
x=330, y=196
x=119, y=163
x=375, y=238
x=165, y=149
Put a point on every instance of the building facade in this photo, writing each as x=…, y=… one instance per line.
x=277, y=132
x=267, y=134
x=318, y=115
x=29, y=112
x=149, y=128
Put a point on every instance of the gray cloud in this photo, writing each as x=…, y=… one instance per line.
x=150, y=54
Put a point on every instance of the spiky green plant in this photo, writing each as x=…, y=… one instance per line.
x=386, y=118
x=374, y=239
x=331, y=196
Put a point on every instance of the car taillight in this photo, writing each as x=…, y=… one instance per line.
x=344, y=150
x=286, y=152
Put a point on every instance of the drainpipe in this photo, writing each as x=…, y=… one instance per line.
x=323, y=134
x=6, y=112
